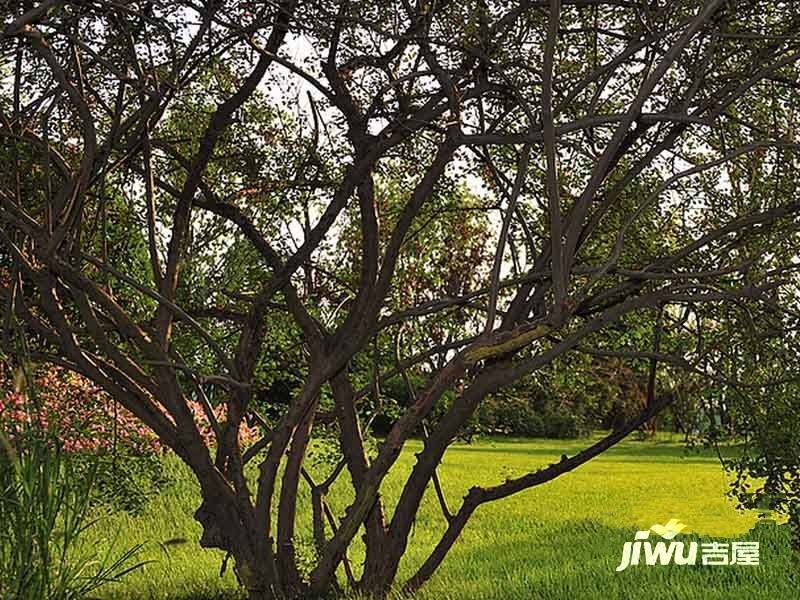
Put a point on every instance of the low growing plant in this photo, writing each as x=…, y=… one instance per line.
x=44, y=514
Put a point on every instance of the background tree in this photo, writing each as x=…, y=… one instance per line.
x=638, y=161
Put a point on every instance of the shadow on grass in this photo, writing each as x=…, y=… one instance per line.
x=577, y=560
x=191, y=596
x=629, y=451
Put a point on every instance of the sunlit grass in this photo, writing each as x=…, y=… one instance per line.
x=561, y=540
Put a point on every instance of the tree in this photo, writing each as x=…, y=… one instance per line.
x=638, y=165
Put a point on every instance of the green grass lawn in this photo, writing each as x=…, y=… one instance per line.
x=561, y=540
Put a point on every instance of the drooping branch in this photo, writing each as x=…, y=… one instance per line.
x=478, y=496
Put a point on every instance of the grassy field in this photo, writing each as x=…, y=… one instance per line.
x=561, y=540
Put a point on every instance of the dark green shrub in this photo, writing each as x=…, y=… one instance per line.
x=127, y=480
x=524, y=417
x=564, y=424
x=508, y=415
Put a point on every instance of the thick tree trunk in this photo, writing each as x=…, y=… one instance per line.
x=256, y=581
x=374, y=581
x=287, y=507
x=223, y=529
x=379, y=572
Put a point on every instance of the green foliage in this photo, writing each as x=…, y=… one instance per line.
x=44, y=520
x=324, y=450
x=768, y=467
x=511, y=415
x=508, y=414
x=761, y=411
x=125, y=481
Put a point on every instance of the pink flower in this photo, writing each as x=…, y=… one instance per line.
x=73, y=409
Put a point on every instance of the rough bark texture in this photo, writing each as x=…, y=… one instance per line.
x=187, y=126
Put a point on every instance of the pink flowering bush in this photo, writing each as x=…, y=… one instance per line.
x=249, y=433
x=103, y=441
x=85, y=419
x=70, y=412
x=72, y=409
